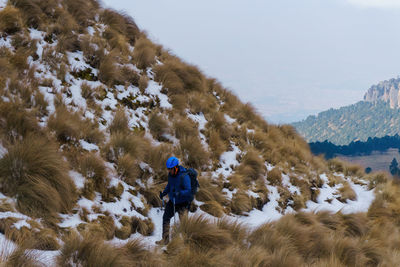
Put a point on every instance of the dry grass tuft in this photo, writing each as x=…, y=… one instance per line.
x=119, y=123
x=274, y=176
x=90, y=251
x=178, y=77
x=158, y=126
x=10, y=20
x=144, y=53
x=252, y=166
x=36, y=174
x=213, y=207
x=347, y=192
x=193, y=153
x=199, y=234
x=241, y=203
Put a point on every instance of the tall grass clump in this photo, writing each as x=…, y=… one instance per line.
x=193, y=153
x=10, y=20
x=144, y=54
x=90, y=250
x=178, y=77
x=35, y=173
x=158, y=126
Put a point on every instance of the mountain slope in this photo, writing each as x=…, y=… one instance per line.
x=356, y=122
x=376, y=116
x=90, y=109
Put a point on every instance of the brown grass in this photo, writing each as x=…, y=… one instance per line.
x=241, y=203
x=92, y=167
x=217, y=146
x=119, y=123
x=121, y=144
x=274, y=176
x=36, y=174
x=144, y=53
x=70, y=127
x=143, y=83
x=193, y=153
x=82, y=11
x=184, y=127
x=178, y=77
x=10, y=20
x=347, y=192
x=252, y=166
x=16, y=122
x=123, y=23
x=213, y=208
x=89, y=251
x=158, y=126
x=109, y=73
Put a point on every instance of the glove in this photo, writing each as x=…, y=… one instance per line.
x=161, y=195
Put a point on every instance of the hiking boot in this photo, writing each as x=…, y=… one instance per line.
x=162, y=242
x=165, y=236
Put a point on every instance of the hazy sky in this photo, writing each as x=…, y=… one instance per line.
x=289, y=58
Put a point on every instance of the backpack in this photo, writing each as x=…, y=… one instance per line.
x=194, y=183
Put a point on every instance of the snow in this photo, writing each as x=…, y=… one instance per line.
x=154, y=89
x=286, y=182
x=200, y=119
x=3, y=150
x=88, y=146
x=21, y=223
x=78, y=179
x=327, y=201
x=77, y=61
x=91, y=30
x=269, y=212
x=229, y=119
x=6, y=42
x=228, y=161
x=3, y=4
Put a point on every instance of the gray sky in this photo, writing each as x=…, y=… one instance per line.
x=289, y=58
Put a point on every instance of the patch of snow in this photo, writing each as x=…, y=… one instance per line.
x=3, y=150
x=228, y=161
x=6, y=42
x=269, y=166
x=77, y=61
x=269, y=212
x=200, y=119
x=88, y=146
x=3, y=4
x=229, y=119
x=326, y=199
x=154, y=89
x=21, y=223
x=286, y=182
x=78, y=179
x=91, y=30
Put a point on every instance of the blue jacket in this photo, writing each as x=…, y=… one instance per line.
x=181, y=184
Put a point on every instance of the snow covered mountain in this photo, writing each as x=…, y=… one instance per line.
x=90, y=109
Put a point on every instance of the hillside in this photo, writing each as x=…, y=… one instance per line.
x=90, y=109
x=352, y=123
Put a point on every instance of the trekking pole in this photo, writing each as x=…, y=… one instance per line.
x=174, y=210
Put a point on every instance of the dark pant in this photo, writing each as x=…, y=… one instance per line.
x=169, y=210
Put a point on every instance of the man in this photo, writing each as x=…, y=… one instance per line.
x=179, y=193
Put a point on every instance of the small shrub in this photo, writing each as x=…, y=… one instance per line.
x=92, y=167
x=128, y=169
x=216, y=145
x=82, y=11
x=109, y=73
x=252, y=166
